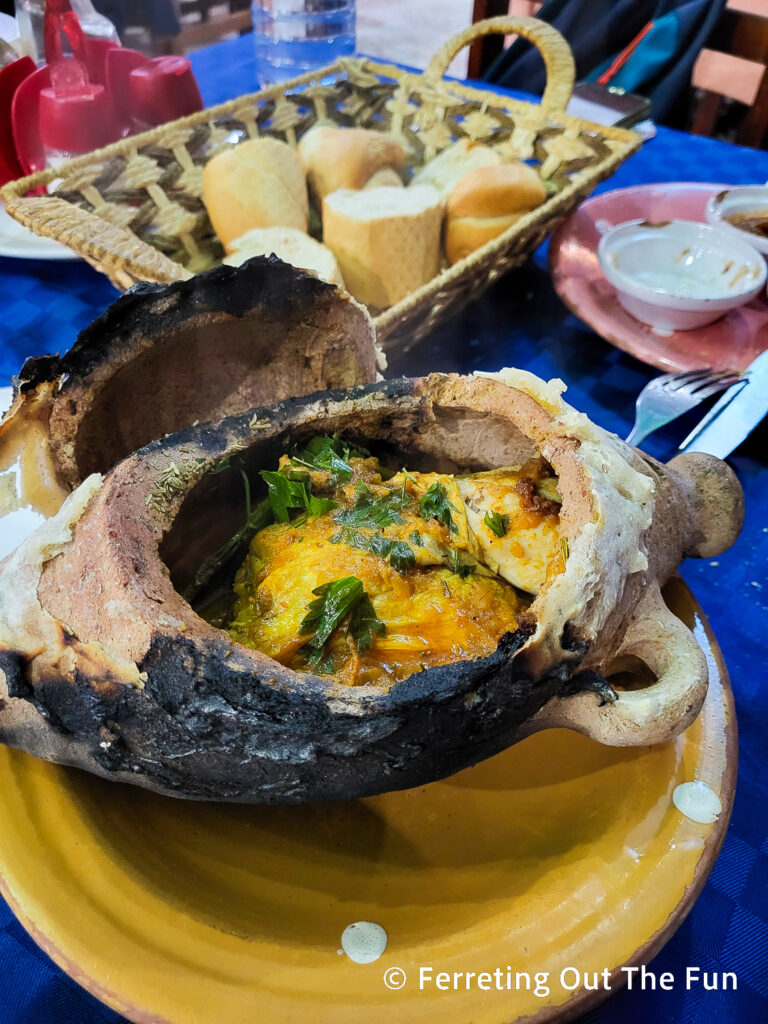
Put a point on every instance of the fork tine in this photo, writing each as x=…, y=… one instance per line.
x=691, y=376
x=665, y=378
x=726, y=378
x=694, y=387
x=708, y=390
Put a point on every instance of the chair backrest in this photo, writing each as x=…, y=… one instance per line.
x=483, y=52
x=735, y=66
x=213, y=24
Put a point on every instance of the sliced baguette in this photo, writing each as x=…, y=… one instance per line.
x=386, y=176
x=289, y=245
x=486, y=202
x=387, y=240
x=258, y=184
x=335, y=158
x=465, y=234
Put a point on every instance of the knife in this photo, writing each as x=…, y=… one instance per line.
x=734, y=416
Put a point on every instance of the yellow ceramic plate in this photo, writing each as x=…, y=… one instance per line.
x=558, y=853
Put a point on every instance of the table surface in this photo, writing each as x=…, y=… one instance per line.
x=519, y=322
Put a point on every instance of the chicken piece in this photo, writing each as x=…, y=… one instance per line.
x=530, y=551
x=438, y=538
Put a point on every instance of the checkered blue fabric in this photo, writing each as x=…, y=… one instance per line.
x=520, y=322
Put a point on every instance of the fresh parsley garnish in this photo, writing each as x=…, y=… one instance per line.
x=400, y=554
x=333, y=603
x=457, y=565
x=286, y=495
x=364, y=624
x=330, y=453
x=319, y=506
x=416, y=539
x=496, y=523
x=435, y=505
x=371, y=511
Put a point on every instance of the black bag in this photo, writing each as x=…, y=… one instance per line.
x=644, y=46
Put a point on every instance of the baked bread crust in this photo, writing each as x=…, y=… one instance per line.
x=335, y=157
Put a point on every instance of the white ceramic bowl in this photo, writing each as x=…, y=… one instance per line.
x=679, y=275
x=746, y=200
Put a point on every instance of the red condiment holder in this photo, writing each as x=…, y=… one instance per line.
x=75, y=115
x=11, y=78
x=82, y=102
x=162, y=90
x=148, y=92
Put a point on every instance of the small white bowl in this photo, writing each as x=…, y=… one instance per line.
x=746, y=200
x=679, y=275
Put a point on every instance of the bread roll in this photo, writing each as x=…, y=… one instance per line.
x=486, y=202
x=289, y=245
x=258, y=184
x=387, y=240
x=446, y=170
x=335, y=158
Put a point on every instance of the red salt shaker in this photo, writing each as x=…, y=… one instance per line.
x=162, y=90
x=75, y=116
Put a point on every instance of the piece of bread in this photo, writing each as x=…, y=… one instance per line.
x=446, y=170
x=387, y=240
x=289, y=245
x=486, y=202
x=386, y=176
x=335, y=158
x=258, y=184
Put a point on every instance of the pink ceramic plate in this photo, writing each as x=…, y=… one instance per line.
x=730, y=343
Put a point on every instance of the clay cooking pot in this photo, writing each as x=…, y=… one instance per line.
x=106, y=666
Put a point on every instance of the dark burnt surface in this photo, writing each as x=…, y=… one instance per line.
x=213, y=722
x=148, y=309
x=200, y=729
x=163, y=357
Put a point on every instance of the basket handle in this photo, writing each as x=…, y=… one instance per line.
x=558, y=59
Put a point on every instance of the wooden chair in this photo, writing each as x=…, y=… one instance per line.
x=212, y=24
x=737, y=70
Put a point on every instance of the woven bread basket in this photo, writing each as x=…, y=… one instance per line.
x=134, y=209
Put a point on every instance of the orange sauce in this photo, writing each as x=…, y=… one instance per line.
x=431, y=615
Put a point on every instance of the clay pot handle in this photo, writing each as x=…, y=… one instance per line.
x=715, y=503
x=657, y=712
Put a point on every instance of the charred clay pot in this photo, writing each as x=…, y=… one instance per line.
x=105, y=666
x=164, y=357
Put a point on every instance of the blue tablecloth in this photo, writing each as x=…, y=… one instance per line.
x=520, y=322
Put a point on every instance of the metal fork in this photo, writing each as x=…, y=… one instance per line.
x=665, y=398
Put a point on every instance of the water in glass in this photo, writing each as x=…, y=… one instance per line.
x=295, y=36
